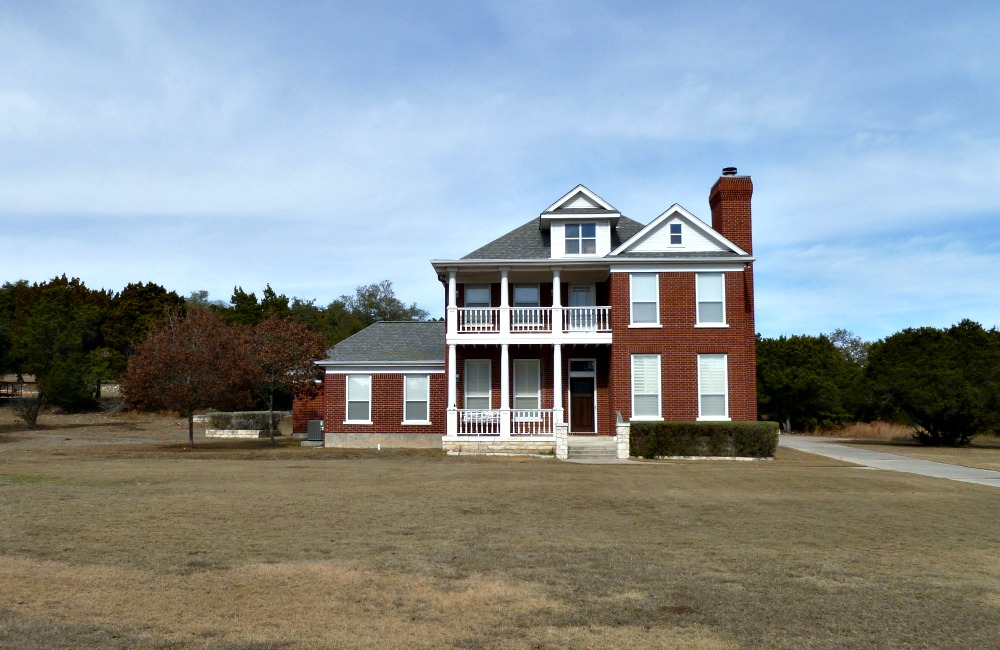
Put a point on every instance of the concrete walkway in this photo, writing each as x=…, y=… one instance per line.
x=831, y=448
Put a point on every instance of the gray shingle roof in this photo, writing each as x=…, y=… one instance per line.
x=529, y=242
x=392, y=341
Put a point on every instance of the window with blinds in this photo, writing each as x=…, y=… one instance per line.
x=711, y=299
x=359, y=398
x=713, y=398
x=477, y=384
x=645, y=289
x=416, y=395
x=645, y=386
x=527, y=384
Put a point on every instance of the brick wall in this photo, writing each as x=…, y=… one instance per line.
x=679, y=343
x=386, y=405
x=305, y=408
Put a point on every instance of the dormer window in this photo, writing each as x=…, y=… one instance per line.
x=675, y=234
x=581, y=239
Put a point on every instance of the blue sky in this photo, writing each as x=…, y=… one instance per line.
x=317, y=146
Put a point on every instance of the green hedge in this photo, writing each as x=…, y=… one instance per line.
x=735, y=439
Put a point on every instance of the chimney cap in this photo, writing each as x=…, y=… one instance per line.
x=729, y=171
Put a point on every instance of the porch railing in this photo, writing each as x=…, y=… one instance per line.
x=586, y=319
x=479, y=320
x=533, y=320
x=523, y=422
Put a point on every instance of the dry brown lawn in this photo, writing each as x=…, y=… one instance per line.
x=115, y=534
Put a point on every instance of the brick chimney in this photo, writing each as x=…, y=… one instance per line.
x=730, y=203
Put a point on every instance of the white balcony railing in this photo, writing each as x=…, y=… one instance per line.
x=586, y=319
x=478, y=320
x=530, y=319
x=523, y=422
x=533, y=320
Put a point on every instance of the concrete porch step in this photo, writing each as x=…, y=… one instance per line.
x=592, y=447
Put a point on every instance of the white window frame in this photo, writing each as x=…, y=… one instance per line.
x=536, y=395
x=632, y=301
x=426, y=401
x=489, y=384
x=679, y=234
x=644, y=359
x=579, y=239
x=703, y=368
x=701, y=299
x=348, y=400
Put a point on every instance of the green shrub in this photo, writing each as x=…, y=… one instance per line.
x=254, y=420
x=734, y=439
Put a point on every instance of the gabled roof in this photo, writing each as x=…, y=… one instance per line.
x=529, y=242
x=391, y=343
x=579, y=201
x=650, y=242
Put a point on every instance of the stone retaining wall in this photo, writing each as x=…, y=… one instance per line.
x=497, y=447
x=238, y=433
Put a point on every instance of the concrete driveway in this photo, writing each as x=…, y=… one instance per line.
x=833, y=448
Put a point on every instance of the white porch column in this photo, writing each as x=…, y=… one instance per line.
x=557, y=384
x=504, y=302
x=504, y=391
x=452, y=391
x=557, y=312
x=452, y=316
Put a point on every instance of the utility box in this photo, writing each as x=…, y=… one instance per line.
x=314, y=431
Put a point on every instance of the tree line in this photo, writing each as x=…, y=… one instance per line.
x=944, y=382
x=72, y=338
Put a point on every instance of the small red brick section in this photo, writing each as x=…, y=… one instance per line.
x=305, y=409
x=386, y=405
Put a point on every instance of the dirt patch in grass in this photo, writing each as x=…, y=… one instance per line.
x=147, y=543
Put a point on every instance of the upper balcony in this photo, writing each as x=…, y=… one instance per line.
x=590, y=324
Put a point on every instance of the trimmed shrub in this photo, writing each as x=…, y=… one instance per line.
x=254, y=420
x=733, y=439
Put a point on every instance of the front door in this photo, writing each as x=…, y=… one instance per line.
x=581, y=405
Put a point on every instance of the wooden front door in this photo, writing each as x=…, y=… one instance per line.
x=581, y=405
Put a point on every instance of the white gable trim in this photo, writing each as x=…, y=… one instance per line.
x=580, y=189
x=677, y=212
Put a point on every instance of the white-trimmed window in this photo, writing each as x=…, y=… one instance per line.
x=359, y=399
x=646, y=387
x=645, y=294
x=477, y=295
x=581, y=239
x=675, y=234
x=416, y=398
x=477, y=384
x=527, y=384
x=711, y=297
x=713, y=387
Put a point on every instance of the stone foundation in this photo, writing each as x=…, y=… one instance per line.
x=388, y=440
x=498, y=447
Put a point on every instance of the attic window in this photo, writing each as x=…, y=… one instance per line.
x=581, y=239
x=675, y=234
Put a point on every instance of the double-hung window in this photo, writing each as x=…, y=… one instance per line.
x=359, y=399
x=675, y=234
x=581, y=239
x=477, y=384
x=713, y=387
x=526, y=313
x=416, y=398
x=711, y=297
x=527, y=385
x=645, y=290
x=645, y=387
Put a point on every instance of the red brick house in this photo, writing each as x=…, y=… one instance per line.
x=559, y=326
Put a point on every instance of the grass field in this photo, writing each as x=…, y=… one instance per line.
x=115, y=534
